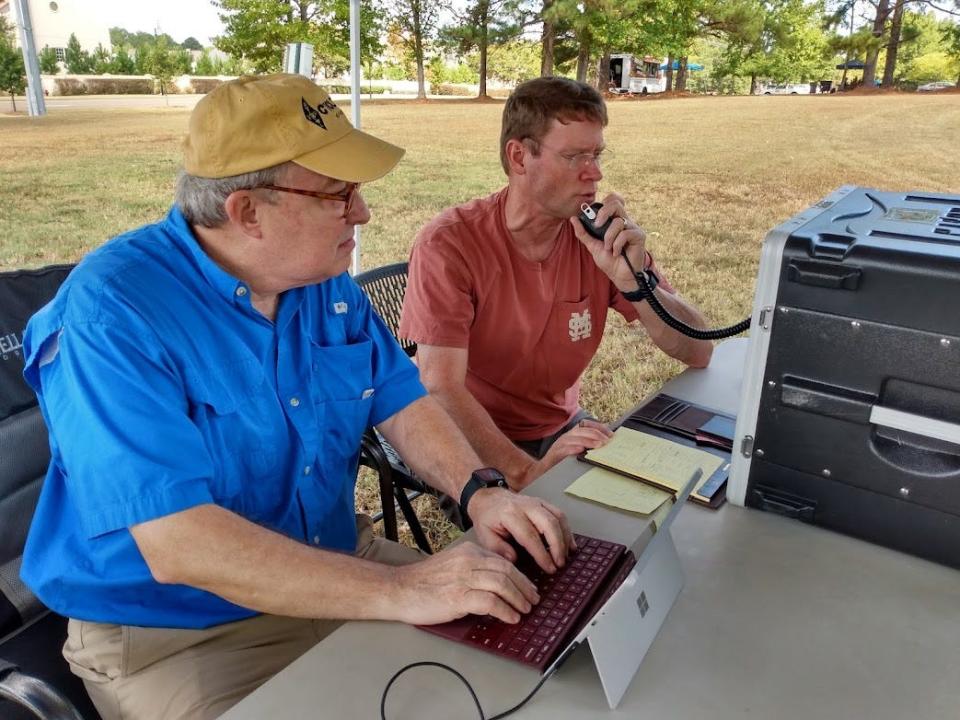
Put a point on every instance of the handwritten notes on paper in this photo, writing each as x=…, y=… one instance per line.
x=659, y=461
x=616, y=491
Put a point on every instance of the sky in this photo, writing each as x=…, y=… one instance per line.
x=180, y=19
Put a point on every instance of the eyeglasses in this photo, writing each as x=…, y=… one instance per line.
x=348, y=197
x=578, y=161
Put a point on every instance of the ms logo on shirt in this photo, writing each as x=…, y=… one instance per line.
x=580, y=325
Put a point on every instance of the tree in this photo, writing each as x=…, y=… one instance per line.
x=78, y=60
x=191, y=43
x=547, y=37
x=515, y=61
x=415, y=23
x=951, y=36
x=204, y=64
x=48, y=61
x=100, y=60
x=183, y=61
x=119, y=36
x=789, y=43
x=258, y=31
x=159, y=60
x=13, y=75
x=122, y=63
x=484, y=23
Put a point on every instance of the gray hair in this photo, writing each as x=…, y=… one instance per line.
x=201, y=200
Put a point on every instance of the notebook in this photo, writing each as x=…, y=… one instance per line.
x=696, y=426
x=663, y=461
x=592, y=586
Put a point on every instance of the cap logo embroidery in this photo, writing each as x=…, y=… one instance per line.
x=312, y=113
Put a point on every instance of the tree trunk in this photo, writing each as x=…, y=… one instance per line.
x=893, y=46
x=418, y=53
x=879, y=25
x=753, y=84
x=682, y=75
x=669, y=83
x=603, y=72
x=13, y=99
x=484, y=42
x=546, y=41
x=583, y=56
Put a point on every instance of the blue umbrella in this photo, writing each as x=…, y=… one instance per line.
x=690, y=66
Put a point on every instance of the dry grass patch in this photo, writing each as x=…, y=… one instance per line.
x=707, y=177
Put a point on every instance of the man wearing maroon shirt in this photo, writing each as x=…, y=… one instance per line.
x=508, y=295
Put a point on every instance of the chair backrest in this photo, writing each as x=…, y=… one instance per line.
x=35, y=681
x=386, y=286
x=24, y=450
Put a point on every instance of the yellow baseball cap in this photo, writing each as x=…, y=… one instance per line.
x=256, y=122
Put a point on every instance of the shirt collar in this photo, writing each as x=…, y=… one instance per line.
x=232, y=289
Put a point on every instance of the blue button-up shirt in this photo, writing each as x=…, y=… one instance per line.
x=163, y=388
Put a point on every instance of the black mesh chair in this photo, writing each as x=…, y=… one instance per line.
x=35, y=681
x=385, y=286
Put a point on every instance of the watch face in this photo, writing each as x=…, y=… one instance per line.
x=489, y=475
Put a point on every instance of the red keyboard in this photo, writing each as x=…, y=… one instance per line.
x=553, y=622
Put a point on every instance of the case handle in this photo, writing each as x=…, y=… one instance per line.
x=916, y=424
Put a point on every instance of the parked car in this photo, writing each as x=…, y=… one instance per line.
x=933, y=86
x=785, y=89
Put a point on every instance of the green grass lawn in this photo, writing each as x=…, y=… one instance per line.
x=707, y=177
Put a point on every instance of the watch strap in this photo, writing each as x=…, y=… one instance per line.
x=638, y=294
x=479, y=479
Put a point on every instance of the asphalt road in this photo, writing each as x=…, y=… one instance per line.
x=80, y=102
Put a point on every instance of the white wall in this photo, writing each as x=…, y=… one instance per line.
x=54, y=20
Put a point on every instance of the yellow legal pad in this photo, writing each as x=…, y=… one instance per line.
x=616, y=491
x=665, y=464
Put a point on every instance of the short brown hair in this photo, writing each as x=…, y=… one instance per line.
x=533, y=104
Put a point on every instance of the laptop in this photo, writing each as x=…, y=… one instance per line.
x=608, y=596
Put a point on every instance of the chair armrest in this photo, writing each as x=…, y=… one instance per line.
x=37, y=696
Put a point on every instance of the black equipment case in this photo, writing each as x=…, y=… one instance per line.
x=850, y=415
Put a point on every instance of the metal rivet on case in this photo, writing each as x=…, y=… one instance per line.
x=855, y=324
x=825, y=472
x=944, y=342
x=905, y=492
x=758, y=452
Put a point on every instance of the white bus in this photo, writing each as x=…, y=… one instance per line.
x=630, y=74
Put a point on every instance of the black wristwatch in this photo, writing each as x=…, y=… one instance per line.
x=637, y=295
x=479, y=479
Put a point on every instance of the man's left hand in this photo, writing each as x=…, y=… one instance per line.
x=499, y=514
x=622, y=233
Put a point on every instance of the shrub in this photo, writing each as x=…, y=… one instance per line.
x=450, y=89
x=118, y=86
x=69, y=86
x=364, y=89
x=204, y=85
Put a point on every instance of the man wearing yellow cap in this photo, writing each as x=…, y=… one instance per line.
x=206, y=381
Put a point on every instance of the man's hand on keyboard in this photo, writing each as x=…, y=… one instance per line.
x=499, y=514
x=464, y=579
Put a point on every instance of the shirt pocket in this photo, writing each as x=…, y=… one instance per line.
x=343, y=390
x=232, y=407
x=571, y=339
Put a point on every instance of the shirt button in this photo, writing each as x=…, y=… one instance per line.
x=306, y=470
x=295, y=401
x=241, y=291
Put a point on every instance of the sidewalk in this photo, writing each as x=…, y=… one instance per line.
x=95, y=102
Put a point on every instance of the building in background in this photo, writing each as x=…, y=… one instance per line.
x=55, y=20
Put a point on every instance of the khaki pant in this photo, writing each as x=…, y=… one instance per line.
x=138, y=673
